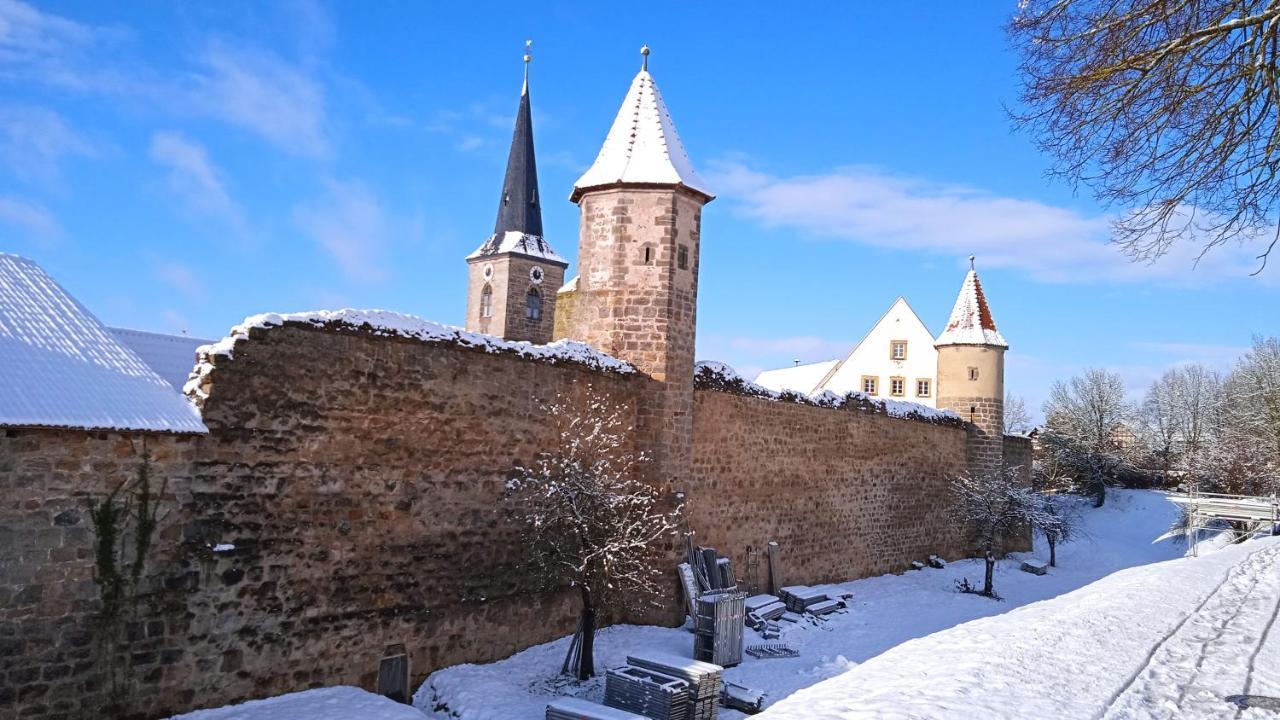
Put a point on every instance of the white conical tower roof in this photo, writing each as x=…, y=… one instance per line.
x=971, y=322
x=642, y=146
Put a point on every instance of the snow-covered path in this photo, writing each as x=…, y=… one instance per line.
x=1170, y=640
x=1214, y=652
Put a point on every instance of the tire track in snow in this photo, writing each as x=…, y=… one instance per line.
x=1237, y=585
x=1253, y=656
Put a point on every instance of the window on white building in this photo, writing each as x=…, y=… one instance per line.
x=897, y=386
x=924, y=387
x=870, y=384
x=898, y=350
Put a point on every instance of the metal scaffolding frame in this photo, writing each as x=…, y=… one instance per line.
x=1205, y=509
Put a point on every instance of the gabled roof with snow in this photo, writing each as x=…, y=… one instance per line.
x=514, y=241
x=59, y=367
x=642, y=146
x=171, y=356
x=971, y=322
x=804, y=379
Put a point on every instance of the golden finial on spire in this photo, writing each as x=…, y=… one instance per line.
x=644, y=52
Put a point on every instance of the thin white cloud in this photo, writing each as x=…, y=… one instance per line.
x=871, y=207
x=351, y=225
x=34, y=141
x=263, y=93
x=29, y=217
x=194, y=178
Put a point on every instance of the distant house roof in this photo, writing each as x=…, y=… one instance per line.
x=60, y=367
x=971, y=322
x=171, y=356
x=803, y=379
x=642, y=147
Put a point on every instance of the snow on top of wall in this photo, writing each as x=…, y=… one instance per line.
x=642, y=145
x=392, y=324
x=514, y=241
x=60, y=367
x=712, y=375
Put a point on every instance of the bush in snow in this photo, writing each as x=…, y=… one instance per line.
x=992, y=507
x=587, y=520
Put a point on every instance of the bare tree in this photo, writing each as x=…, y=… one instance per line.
x=1167, y=108
x=588, y=521
x=1058, y=521
x=1085, y=430
x=1242, y=453
x=1016, y=417
x=992, y=508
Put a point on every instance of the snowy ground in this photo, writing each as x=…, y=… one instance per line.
x=331, y=703
x=1168, y=640
x=888, y=611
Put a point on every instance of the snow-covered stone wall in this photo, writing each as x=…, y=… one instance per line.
x=347, y=498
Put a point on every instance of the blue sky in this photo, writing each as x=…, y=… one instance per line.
x=179, y=166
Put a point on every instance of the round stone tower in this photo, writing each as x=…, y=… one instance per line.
x=971, y=374
x=636, y=293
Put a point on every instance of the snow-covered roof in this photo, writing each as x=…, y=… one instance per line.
x=514, y=241
x=60, y=367
x=171, y=356
x=571, y=286
x=803, y=379
x=642, y=146
x=393, y=324
x=971, y=322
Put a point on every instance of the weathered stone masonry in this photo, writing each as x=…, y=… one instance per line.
x=359, y=479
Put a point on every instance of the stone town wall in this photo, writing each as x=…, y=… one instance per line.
x=847, y=493
x=359, y=480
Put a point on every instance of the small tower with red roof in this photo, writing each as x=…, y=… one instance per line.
x=971, y=373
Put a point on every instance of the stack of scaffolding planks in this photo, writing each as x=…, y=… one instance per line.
x=705, y=680
x=648, y=692
x=579, y=709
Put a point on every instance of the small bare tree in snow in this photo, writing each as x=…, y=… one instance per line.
x=587, y=520
x=992, y=508
x=1058, y=520
x=1016, y=417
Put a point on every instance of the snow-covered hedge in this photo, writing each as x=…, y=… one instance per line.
x=385, y=323
x=711, y=375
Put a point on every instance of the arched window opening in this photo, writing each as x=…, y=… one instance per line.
x=533, y=306
x=486, y=302
x=648, y=255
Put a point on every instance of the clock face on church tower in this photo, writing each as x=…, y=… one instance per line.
x=535, y=274
x=488, y=271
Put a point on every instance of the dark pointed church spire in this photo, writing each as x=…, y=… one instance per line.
x=519, y=225
x=519, y=208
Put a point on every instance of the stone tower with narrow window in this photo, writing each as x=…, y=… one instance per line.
x=636, y=293
x=512, y=278
x=971, y=374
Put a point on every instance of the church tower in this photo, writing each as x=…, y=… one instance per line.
x=513, y=276
x=971, y=373
x=636, y=293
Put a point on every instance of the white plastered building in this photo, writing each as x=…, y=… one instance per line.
x=896, y=359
